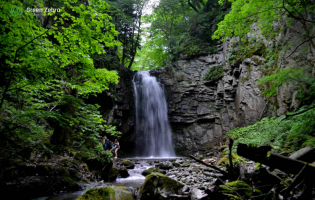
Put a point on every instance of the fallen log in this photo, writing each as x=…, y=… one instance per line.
x=306, y=154
x=211, y=166
x=273, y=160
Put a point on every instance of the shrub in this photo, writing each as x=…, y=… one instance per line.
x=214, y=73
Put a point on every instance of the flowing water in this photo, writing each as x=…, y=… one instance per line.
x=135, y=180
x=153, y=132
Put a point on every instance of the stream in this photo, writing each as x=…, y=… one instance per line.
x=135, y=180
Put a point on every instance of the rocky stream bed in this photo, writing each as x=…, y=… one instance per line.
x=192, y=178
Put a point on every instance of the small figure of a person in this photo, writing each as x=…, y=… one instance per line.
x=116, y=147
x=104, y=142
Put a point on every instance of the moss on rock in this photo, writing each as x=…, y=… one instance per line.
x=152, y=170
x=123, y=172
x=186, y=164
x=113, y=173
x=128, y=164
x=247, y=190
x=176, y=164
x=69, y=183
x=157, y=185
x=107, y=193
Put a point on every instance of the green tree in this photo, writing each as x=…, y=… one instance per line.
x=47, y=66
x=127, y=16
x=177, y=28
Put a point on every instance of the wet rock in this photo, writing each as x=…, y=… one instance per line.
x=186, y=164
x=108, y=193
x=128, y=164
x=176, y=164
x=185, y=189
x=158, y=186
x=113, y=174
x=166, y=165
x=123, y=172
x=197, y=194
x=152, y=170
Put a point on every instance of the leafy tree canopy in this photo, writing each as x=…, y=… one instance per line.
x=178, y=27
x=47, y=67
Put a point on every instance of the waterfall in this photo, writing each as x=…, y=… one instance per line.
x=153, y=132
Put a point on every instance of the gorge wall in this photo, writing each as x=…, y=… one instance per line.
x=202, y=111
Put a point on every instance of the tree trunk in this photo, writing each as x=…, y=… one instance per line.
x=264, y=156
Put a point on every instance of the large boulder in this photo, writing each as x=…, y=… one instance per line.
x=113, y=173
x=158, y=186
x=152, y=170
x=128, y=164
x=123, y=172
x=107, y=193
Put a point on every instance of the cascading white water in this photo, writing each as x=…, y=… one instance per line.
x=154, y=135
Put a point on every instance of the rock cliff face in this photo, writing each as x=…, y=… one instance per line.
x=202, y=111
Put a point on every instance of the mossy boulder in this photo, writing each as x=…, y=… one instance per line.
x=152, y=170
x=158, y=186
x=113, y=173
x=128, y=164
x=246, y=191
x=107, y=193
x=123, y=172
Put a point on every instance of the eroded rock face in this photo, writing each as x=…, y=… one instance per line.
x=202, y=111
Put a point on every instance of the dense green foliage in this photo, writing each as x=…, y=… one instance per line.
x=178, y=27
x=47, y=70
x=284, y=133
x=244, y=13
